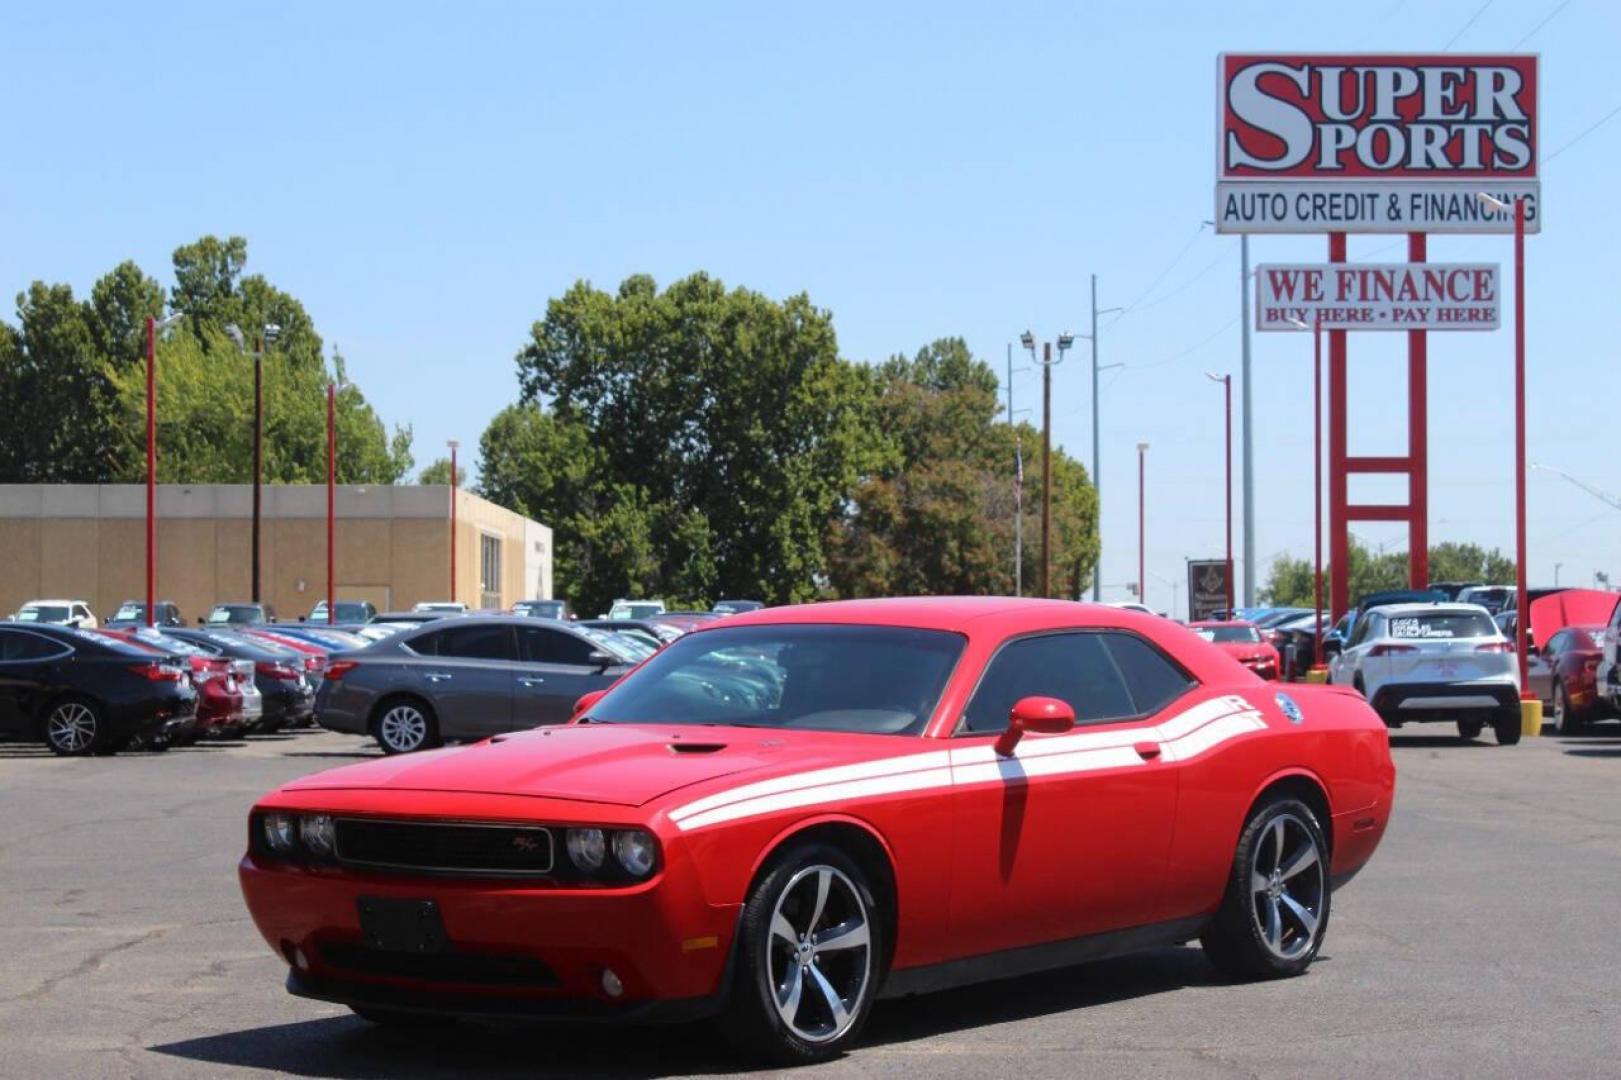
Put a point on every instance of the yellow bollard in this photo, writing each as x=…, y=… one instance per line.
x=1317, y=675
x=1531, y=716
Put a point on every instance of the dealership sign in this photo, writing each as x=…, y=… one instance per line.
x=1207, y=588
x=1375, y=143
x=1377, y=296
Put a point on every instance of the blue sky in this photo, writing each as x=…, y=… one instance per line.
x=425, y=177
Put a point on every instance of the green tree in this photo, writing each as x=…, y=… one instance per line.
x=437, y=471
x=938, y=515
x=1289, y=582
x=722, y=430
x=85, y=361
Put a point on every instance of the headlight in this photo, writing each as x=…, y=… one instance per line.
x=317, y=832
x=636, y=851
x=281, y=833
x=587, y=848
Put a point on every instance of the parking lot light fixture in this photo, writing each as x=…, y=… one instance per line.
x=453, y=444
x=1142, y=517
x=269, y=333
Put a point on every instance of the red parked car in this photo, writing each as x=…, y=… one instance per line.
x=788, y=814
x=1564, y=674
x=217, y=679
x=1244, y=642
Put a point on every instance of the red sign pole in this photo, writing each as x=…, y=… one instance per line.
x=1339, y=534
x=1227, y=393
x=331, y=502
x=151, y=467
x=1524, y=615
x=1317, y=481
x=1418, y=440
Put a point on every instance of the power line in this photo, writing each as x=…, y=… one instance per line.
x=1462, y=29
x=1194, y=239
x=1545, y=21
x=1195, y=347
x=1600, y=122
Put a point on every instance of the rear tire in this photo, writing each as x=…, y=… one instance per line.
x=74, y=727
x=809, y=959
x=1274, y=914
x=404, y=725
x=1469, y=730
x=1566, y=721
x=1506, y=726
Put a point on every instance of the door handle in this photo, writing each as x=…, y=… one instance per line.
x=531, y=680
x=437, y=676
x=1148, y=751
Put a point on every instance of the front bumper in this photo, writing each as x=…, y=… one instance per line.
x=517, y=948
x=1416, y=702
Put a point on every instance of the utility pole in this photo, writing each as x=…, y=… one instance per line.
x=1097, y=476
x=1028, y=340
x=1018, y=480
x=1249, y=426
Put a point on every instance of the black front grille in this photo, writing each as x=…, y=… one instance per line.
x=445, y=848
x=478, y=969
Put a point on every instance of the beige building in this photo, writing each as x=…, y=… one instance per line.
x=87, y=542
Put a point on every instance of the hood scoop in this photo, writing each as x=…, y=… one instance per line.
x=697, y=747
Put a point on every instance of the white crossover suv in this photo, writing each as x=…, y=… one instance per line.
x=1427, y=662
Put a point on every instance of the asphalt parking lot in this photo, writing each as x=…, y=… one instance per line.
x=1479, y=942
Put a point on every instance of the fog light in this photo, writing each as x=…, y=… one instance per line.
x=280, y=833
x=611, y=984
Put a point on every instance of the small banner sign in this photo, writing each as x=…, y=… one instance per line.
x=1377, y=296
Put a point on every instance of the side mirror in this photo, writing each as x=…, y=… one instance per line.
x=1036, y=715
x=583, y=706
x=600, y=659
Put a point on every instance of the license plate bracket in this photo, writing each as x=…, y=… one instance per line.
x=409, y=926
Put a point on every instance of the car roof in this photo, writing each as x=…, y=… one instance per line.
x=935, y=612
x=32, y=603
x=1440, y=607
x=1220, y=622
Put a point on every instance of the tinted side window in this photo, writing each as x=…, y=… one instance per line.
x=1152, y=677
x=16, y=645
x=1074, y=668
x=466, y=642
x=540, y=646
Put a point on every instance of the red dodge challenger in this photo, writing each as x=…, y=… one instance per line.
x=790, y=813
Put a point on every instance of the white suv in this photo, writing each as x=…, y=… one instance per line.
x=1426, y=662
x=75, y=613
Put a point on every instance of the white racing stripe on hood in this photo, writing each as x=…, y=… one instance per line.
x=1183, y=736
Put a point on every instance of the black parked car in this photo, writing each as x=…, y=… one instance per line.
x=736, y=607
x=84, y=693
x=133, y=613
x=289, y=697
x=239, y=615
x=655, y=634
x=544, y=609
x=464, y=678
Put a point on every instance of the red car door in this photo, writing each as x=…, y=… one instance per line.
x=1069, y=835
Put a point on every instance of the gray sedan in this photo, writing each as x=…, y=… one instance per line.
x=466, y=678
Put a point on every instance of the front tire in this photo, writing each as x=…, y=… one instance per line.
x=808, y=960
x=75, y=727
x=404, y=725
x=1469, y=730
x=1275, y=912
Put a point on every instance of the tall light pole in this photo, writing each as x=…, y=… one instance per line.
x=1097, y=475
x=1316, y=329
x=1065, y=340
x=267, y=339
x=1142, y=517
x=331, y=502
x=153, y=325
x=453, y=444
x=1018, y=480
x=1227, y=391
x=1521, y=606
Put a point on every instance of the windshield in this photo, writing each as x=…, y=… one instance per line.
x=1443, y=625
x=872, y=679
x=622, y=646
x=635, y=611
x=543, y=609
x=1223, y=634
x=43, y=613
x=130, y=612
x=234, y=613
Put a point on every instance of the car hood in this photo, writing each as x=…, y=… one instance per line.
x=616, y=764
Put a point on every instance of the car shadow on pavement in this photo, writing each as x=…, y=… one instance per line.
x=346, y=1047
